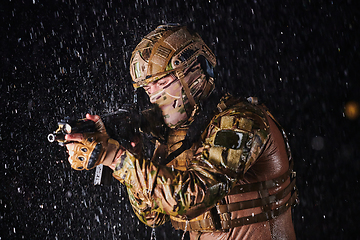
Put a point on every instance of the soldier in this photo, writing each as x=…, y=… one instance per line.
x=222, y=166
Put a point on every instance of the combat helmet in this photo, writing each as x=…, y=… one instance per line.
x=168, y=49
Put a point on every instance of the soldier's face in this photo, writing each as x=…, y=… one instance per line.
x=167, y=94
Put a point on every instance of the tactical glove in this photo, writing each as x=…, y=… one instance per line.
x=93, y=149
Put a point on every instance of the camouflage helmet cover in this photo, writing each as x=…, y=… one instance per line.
x=167, y=49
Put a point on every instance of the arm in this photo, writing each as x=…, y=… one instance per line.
x=232, y=143
x=159, y=189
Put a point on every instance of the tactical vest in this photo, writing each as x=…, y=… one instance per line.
x=219, y=217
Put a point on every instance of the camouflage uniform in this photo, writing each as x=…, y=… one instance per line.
x=234, y=183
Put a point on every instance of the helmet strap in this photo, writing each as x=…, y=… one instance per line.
x=180, y=75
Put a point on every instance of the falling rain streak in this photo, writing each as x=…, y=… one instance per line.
x=68, y=58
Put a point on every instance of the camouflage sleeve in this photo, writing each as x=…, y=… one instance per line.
x=231, y=144
x=157, y=192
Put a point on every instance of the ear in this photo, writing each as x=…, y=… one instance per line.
x=206, y=66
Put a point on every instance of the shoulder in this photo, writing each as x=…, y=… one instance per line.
x=242, y=129
x=241, y=116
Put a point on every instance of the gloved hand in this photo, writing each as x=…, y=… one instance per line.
x=88, y=150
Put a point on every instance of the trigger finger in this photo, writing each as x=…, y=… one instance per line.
x=74, y=137
x=70, y=147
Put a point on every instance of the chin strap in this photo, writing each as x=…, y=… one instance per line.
x=180, y=75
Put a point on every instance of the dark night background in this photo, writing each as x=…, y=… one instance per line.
x=70, y=57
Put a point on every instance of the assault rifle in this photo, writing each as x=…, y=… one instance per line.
x=122, y=125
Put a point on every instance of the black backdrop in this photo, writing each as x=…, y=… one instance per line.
x=70, y=57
